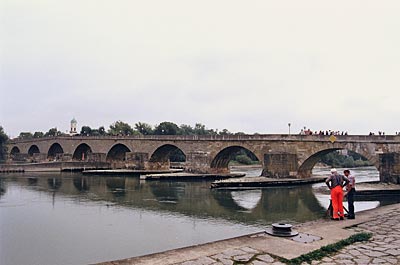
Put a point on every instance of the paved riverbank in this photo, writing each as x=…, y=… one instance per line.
x=260, y=248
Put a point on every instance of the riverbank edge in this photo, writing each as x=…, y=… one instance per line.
x=330, y=231
x=260, y=182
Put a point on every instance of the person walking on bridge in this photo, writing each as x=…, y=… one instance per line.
x=350, y=191
x=335, y=183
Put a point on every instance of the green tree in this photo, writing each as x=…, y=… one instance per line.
x=348, y=162
x=53, y=132
x=102, y=130
x=144, y=128
x=3, y=147
x=86, y=131
x=167, y=128
x=212, y=132
x=38, y=135
x=200, y=129
x=121, y=128
x=186, y=129
x=225, y=132
x=95, y=132
x=352, y=159
x=25, y=135
x=244, y=159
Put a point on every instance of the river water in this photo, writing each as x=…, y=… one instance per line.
x=69, y=218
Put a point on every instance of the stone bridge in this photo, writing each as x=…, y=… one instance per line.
x=280, y=155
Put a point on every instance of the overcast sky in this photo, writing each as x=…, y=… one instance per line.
x=250, y=66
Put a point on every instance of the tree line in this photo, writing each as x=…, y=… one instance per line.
x=3, y=140
x=121, y=128
x=352, y=159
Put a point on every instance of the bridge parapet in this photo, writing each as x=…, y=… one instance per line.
x=245, y=137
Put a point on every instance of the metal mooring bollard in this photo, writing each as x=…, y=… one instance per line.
x=281, y=229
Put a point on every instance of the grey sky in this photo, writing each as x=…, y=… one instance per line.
x=250, y=66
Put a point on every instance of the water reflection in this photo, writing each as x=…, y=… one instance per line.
x=3, y=187
x=94, y=212
x=294, y=204
x=259, y=206
x=189, y=198
x=247, y=199
x=32, y=181
x=116, y=186
x=358, y=205
x=54, y=183
x=81, y=184
x=167, y=192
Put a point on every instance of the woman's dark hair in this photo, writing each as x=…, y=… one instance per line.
x=346, y=171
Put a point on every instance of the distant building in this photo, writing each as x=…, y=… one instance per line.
x=74, y=124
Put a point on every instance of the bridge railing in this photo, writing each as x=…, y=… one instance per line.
x=241, y=137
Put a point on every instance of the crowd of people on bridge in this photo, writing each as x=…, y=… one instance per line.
x=306, y=131
x=381, y=133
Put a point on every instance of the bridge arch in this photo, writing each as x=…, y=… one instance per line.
x=117, y=153
x=306, y=166
x=14, y=151
x=223, y=157
x=168, y=152
x=82, y=152
x=55, y=152
x=34, y=149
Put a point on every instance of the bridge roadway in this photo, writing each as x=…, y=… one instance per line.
x=280, y=155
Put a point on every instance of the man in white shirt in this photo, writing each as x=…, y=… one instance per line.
x=350, y=191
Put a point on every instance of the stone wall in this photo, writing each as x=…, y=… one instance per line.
x=280, y=155
x=389, y=169
x=280, y=165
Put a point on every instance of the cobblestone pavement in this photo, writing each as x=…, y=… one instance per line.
x=383, y=248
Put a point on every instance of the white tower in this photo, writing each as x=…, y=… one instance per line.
x=73, y=127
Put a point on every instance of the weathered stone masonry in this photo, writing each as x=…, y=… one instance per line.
x=280, y=155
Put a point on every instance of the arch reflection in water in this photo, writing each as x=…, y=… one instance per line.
x=358, y=205
x=291, y=203
x=167, y=192
x=81, y=184
x=247, y=199
x=295, y=204
x=32, y=181
x=3, y=187
x=116, y=185
x=54, y=183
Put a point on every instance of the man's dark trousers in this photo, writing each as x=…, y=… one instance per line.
x=350, y=201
